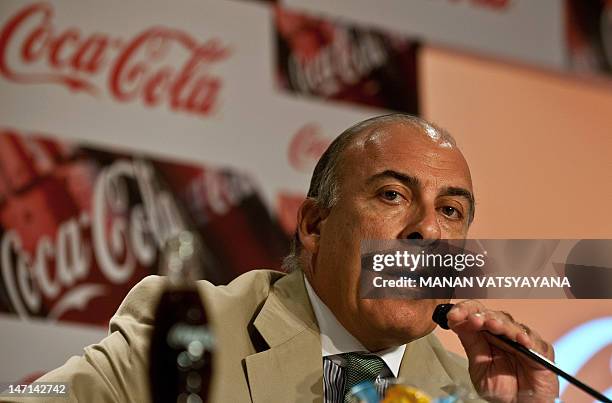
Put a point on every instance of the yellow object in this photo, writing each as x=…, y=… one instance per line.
x=405, y=394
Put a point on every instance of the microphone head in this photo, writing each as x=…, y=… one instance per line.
x=439, y=315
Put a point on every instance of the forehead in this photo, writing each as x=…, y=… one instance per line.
x=407, y=149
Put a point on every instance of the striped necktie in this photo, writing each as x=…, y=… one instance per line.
x=359, y=368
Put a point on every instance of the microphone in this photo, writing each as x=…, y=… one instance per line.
x=439, y=317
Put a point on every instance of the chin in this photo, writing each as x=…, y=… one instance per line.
x=400, y=321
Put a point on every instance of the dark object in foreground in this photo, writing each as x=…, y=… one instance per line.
x=439, y=317
x=182, y=344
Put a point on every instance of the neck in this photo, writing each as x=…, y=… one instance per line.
x=357, y=328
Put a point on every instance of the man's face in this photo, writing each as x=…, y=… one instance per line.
x=394, y=183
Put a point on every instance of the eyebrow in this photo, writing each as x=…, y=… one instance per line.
x=408, y=180
x=412, y=181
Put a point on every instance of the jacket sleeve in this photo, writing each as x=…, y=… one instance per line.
x=116, y=369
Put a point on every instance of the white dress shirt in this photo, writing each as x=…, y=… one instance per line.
x=335, y=339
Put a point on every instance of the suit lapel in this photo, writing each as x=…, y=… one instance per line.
x=421, y=368
x=292, y=368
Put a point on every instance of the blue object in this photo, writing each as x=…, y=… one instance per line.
x=365, y=392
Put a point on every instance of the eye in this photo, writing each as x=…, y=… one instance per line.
x=390, y=195
x=451, y=212
x=394, y=195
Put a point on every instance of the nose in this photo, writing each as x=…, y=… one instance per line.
x=426, y=226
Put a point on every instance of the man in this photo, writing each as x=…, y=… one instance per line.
x=304, y=336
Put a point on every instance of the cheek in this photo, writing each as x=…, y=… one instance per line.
x=384, y=222
x=343, y=234
x=348, y=227
x=340, y=239
x=453, y=230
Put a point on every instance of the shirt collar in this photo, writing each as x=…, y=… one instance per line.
x=335, y=339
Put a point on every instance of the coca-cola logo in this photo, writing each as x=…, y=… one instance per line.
x=343, y=62
x=306, y=147
x=114, y=237
x=146, y=67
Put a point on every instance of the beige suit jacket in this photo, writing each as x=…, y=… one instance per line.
x=268, y=347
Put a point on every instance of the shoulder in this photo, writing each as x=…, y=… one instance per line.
x=258, y=282
x=246, y=290
x=139, y=304
x=241, y=299
x=252, y=286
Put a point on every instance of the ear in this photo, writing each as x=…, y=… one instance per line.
x=310, y=218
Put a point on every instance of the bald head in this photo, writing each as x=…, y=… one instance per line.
x=422, y=127
x=324, y=183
